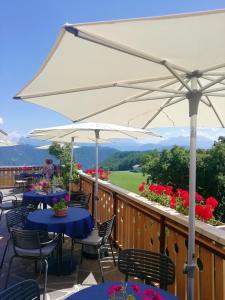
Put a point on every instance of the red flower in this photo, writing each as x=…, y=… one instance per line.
x=211, y=203
x=168, y=190
x=198, y=197
x=141, y=187
x=173, y=202
x=199, y=210
x=206, y=213
x=79, y=166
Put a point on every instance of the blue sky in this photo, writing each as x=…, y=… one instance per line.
x=28, y=29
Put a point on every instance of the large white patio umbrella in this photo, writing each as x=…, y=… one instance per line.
x=158, y=72
x=90, y=131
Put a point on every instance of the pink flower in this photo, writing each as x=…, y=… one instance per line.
x=136, y=289
x=67, y=198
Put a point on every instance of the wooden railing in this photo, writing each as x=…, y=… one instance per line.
x=141, y=223
x=7, y=174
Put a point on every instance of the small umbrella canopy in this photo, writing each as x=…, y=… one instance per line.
x=90, y=131
x=46, y=147
x=159, y=74
x=4, y=140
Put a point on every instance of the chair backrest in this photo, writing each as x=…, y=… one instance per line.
x=16, y=217
x=1, y=197
x=80, y=199
x=26, y=239
x=27, y=289
x=147, y=265
x=105, y=229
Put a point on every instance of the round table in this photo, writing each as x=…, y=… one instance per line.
x=100, y=291
x=34, y=197
x=77, y=224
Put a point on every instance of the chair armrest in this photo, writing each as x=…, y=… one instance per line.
x=8, y=195
x=56, y=238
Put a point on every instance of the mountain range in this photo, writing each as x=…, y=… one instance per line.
x=25, y=152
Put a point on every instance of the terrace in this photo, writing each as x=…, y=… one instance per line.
x=140, y=223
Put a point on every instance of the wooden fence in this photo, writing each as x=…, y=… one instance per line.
x=141, y=223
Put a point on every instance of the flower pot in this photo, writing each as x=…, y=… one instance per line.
x=61, y=212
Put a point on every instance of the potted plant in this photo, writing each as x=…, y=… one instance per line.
x=60, y=207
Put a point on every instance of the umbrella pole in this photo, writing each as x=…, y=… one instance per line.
x=71, y=167
x=96, y=179
x=194, y=98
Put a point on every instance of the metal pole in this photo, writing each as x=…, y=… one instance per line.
x=71, y=167
x=96, y=178
x=194, y=99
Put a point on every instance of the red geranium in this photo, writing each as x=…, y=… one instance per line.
x=211, y=203
x=173, y=202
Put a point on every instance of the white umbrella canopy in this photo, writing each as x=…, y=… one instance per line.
x=158, y=72
x=4, y=140
x=88, y=132
x=46, y=147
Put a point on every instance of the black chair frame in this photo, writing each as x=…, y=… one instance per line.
x=149, y=266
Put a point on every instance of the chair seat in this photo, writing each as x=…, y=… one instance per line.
x=46, y=250
x=6, y=206
x=93, y=239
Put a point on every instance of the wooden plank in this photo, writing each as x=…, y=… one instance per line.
x=206, y=275
x=219, y=278
x=180, y=260
x=171, y=242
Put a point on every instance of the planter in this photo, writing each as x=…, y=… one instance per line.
x=61, y=212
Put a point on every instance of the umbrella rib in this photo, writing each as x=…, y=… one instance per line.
x=211, y=104
x=210, y=79
x=212, y=68
x=126, y=100
x=162, y=107
x=154, y=98
x=218, y=80
x=215, y=90
x=83, y=34
x=152, y=89
x=214, y=73
x=173, y=71
x=214, y=94
x=92, y=87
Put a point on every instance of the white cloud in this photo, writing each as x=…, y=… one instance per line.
x=14, y=136
x=1, y=120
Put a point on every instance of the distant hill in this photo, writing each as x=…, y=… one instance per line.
x=27, y=155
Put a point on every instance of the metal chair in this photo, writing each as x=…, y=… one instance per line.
x=147, y=265
x=9, y=203
x=20, y=182
x=98, y=239
x=27, y=244
x=80, y=199
x=15, y=218
x=25, y=290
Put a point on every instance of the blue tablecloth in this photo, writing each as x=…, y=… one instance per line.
x=78, y=223
x=33, y=196
x=100, y=291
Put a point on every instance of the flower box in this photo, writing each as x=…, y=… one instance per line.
x=61, y=212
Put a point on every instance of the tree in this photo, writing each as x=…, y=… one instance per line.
x=63, y=153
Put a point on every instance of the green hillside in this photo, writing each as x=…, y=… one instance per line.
x=127, y=180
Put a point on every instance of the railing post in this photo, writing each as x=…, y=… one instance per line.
x=115, y=213
x=162, y=234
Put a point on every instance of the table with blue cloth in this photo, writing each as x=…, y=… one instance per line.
x=100, y=291
x=34, y=197
x=78, y=223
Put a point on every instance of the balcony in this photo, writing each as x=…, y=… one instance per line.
x=143, y=224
